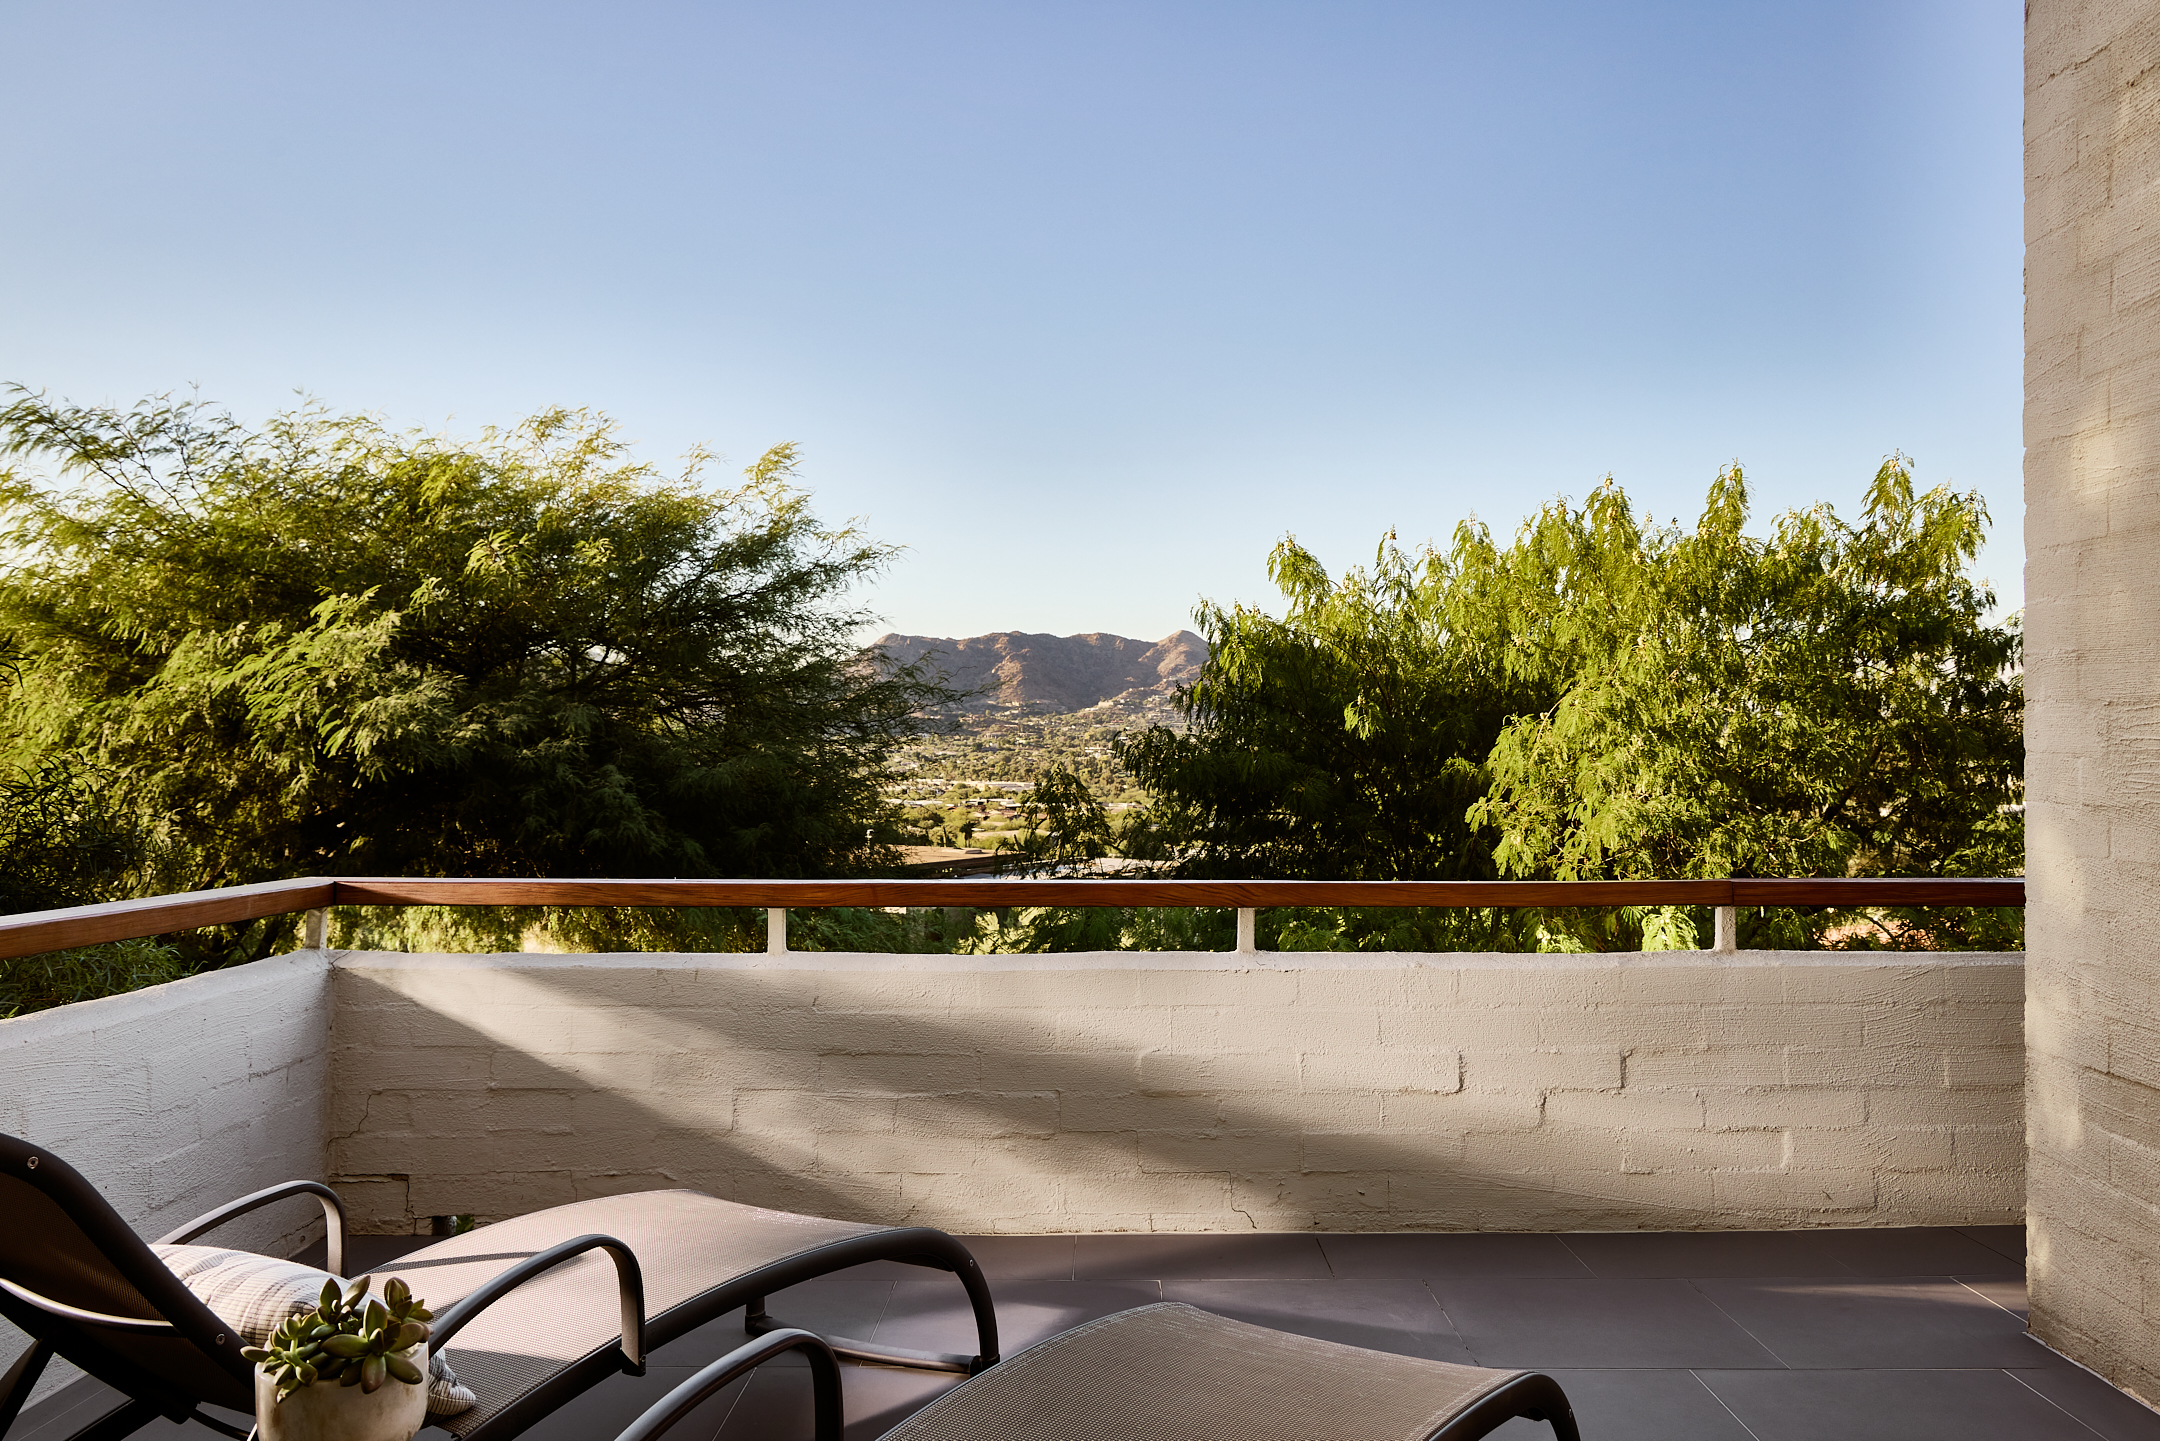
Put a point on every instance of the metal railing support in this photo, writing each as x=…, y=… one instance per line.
x=1728, y=929
x=1248, y=943
x=776, y=930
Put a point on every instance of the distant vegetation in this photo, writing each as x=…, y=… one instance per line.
x=230, y=655
x=1611, y=698
x=327, y=647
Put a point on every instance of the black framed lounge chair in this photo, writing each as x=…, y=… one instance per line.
x=530, y=1311
x=1170, y=1372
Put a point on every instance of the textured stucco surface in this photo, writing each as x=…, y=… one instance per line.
x=176, y=1099
x=1191, y=1093
x=2092, y=581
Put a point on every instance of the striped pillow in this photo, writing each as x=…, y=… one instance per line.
x=255, y=1294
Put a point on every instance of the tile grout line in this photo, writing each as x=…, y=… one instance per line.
x=1711, y=1301
x=1460, y=1339
x=2050, y=1400
x=1722, y=1402
x=1984, y=1295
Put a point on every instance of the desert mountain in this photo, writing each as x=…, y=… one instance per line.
x=1060, y=673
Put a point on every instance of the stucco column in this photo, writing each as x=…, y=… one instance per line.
x=2092, y=533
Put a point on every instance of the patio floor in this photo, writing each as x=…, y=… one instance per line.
x=1773, y=1336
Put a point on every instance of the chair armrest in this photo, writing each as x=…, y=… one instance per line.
x=824, y=1384
x=629, y=1285
x=333, y=1218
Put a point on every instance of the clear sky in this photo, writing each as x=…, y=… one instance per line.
x=1084, y=304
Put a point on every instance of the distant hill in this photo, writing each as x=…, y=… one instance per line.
x=1052, y=672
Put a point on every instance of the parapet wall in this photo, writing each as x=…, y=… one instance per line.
x=1678, y=1090
x=179, y=1098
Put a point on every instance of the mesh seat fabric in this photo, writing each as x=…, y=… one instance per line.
x=1172, y=1373
x=686, y=1244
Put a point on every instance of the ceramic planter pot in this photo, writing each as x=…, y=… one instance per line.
x=327, y=1411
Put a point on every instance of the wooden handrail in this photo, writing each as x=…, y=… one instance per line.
x=36, y=931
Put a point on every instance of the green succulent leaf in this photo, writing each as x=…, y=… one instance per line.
x=403, y=1369
x=372, y=1373
x=345, y=1346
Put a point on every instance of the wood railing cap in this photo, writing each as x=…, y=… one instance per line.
x=33, y=932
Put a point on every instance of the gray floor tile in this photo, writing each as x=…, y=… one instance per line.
x=1891, y=1406
x=1486, y=1253
x=927, y=1316
x=2007, y=1292
x=1401, y=1315
x=1594, y=1325
x=848, y=1303
x=2113, y=1415
x=1205, y=1257
x=1917, y=1251
x=84, y=1401
x=1636, y=1406
x=1890, y=1322
x=1642, y=1255
x=602, y=1412
x=1022, y=1258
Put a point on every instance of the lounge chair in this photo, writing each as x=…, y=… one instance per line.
x=1169, y=1372
x=530, y=1312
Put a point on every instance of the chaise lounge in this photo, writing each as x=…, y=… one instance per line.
x=529, y=1312
x=1170, y=1372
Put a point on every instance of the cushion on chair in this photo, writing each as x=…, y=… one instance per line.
x=256, y=1294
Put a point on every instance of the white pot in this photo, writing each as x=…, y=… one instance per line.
x=327, y=1411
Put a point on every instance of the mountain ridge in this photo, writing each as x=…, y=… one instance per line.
x=1066, y=673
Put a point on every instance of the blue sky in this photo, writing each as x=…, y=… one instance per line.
x=1085, y=305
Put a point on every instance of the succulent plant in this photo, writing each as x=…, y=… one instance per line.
x=349, y=1337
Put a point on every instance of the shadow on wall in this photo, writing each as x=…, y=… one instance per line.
x=494, y=1091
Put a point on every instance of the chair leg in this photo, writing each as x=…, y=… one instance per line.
x=757, y=1322
x=21, y=1378
x=1532, y=1396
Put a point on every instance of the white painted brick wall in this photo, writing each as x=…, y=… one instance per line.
x=176, y=1099
x=1191, y=1093
x=2092, y=529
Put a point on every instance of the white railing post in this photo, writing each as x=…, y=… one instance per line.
x=776, y=930
x=1248, y=943
x=314, y=929
x=1728, y=929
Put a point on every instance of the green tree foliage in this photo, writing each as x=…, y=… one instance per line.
x=1065, y=824
x=1606, y=697
x=1825, y=701
x=1345, y=740
x=61, y=844
x=329, y=647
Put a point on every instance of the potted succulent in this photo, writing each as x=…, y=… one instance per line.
x=350, y=1368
